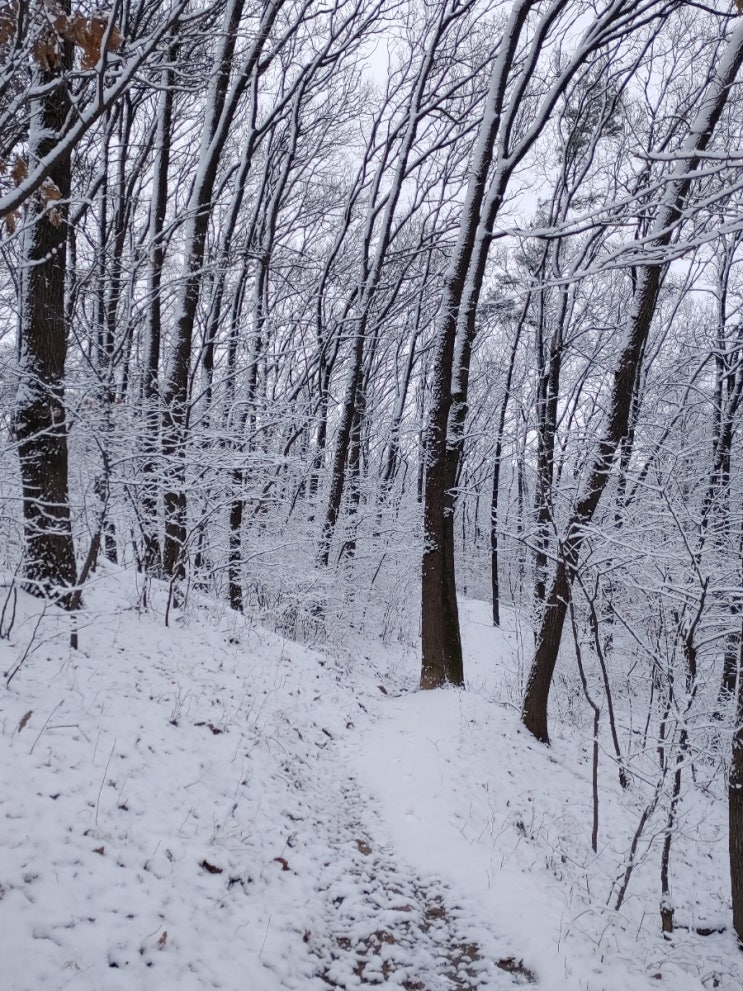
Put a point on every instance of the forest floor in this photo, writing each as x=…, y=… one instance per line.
x=205, y=805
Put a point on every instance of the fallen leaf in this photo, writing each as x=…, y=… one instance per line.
x=24, y=721
x=215, y=729
x=210, y=868
x=163, y=939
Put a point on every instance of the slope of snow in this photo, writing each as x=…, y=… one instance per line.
x=205, y=805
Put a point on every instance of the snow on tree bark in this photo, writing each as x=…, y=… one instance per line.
x=40, y=418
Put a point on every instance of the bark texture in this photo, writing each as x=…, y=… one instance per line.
x=735, y=814
x=40, y=422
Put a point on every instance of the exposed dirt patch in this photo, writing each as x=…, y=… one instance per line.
x=385, y=926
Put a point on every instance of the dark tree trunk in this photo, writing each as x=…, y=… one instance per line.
x=237, y=506
x=246, y=419
x=547, y=399
x=40, y=426
x=342, y=446
x=354, y=473
x=152, y=558
x=494, y=500
x=441, y=644
x=534, y=710
x=441, y=659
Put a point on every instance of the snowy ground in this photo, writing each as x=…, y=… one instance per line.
x=204, y=805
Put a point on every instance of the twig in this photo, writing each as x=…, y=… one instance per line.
x=647, y=812
x=596, y=718
x=103, y=781
x=89, y=563
x=265, y=937
x=12, y=591
x=41, y=731
x=27, y=651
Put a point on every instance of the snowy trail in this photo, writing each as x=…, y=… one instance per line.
x=183, y=806
x=209, y=806
x=384, y=924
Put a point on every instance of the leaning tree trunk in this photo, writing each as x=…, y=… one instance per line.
x=441, y=644
x=176, y=392
x=40, y=426
x=648, y=283
x=500, y=146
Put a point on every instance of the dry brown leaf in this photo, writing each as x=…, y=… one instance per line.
x=97, y=32
x=8, y=19
x=91, y=54
x=739, y=5
x=24, y=721
x=46, y=54
x=9, y=219
x=50, y=192
x=84, y=33
x=19, y=171
x=73, y=28
x=89, y=35
x=115, y=41
x=163, y=939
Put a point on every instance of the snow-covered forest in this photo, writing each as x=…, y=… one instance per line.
x=371, y=377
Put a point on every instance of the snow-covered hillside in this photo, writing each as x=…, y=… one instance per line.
x=206, y=805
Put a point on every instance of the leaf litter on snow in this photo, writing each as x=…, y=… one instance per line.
x=205, y=805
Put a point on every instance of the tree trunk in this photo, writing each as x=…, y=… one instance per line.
x=152, y=557
x=40, y=426
x=497, y=459
x=441, y=644
x=342, y=446
x=735, y=812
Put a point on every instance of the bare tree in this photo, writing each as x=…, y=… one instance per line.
x=40, y=422
x=518, y=107
x=648, y=280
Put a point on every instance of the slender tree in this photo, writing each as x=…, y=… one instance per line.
x=504, y=139
x=648, y=278
x=40, y=418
